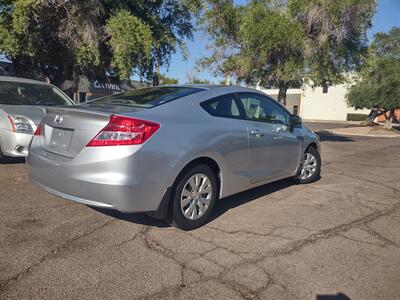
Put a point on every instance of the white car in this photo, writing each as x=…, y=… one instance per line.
x=22, y=103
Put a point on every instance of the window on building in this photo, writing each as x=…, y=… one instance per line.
x=325, y=89
x=296, y=110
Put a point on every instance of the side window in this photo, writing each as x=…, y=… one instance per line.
x=223, y=106
x=259, y=108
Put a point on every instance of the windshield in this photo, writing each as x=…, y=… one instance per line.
x=16, y=93
x=146, y=97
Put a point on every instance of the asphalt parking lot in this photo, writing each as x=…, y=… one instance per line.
x=337, y=237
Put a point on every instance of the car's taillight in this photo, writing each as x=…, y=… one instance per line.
x=124, y=131
x=38, y=130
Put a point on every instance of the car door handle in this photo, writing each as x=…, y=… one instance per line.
x=256, y=133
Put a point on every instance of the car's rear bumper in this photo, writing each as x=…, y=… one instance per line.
x=73, y=198
x=14, y=144
x=90, y=179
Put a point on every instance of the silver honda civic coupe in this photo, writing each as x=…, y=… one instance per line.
x=22, y=103
x=170, y=151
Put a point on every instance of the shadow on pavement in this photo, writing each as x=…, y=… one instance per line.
x=138, y=218
x=236, y=200
x=326, y=136
x=338, y=296
x=221, y=207
x=13, y=160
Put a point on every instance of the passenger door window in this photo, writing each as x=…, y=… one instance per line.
x=262, y=109
x=223, y=106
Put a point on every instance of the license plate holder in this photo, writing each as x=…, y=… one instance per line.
x=60, y=139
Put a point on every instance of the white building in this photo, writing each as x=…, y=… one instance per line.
x=324, y=104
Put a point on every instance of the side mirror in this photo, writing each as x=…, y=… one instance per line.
x=294, y=121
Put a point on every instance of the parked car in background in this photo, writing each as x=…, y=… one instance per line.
x=22, y=103
x=170, y=150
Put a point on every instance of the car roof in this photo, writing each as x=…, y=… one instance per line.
x=222, y=89
x=21, y=80
x=215, y=87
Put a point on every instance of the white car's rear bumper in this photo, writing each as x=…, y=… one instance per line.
x=14, y=144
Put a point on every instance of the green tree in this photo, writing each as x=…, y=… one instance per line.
x=196, y=80
x=378, y=84
x=61, y=40
x=285, y=43
x=221, y=21
x=334, y=35
x=130, y=40
x=170, y=21
x=164, y=79
x=35, y=50
x=272, y=52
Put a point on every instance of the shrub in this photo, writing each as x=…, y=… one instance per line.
x=356, y=117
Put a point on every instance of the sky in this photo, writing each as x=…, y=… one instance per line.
x=387, y=16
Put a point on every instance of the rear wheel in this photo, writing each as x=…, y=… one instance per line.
x=310, y=169
x=194, y=197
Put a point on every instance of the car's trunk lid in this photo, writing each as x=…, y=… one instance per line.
x=34, y=113
x=66, y=131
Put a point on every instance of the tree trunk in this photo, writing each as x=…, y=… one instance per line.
x=282, y=94
x=374, y=113
x=75, y=84
x=156, y=77
x=371, y=116
x=227, y=79
x=156, y=80
x=389, y=119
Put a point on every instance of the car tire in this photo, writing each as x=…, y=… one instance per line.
x=194, y=197
x=3, y=158
x=310, y=168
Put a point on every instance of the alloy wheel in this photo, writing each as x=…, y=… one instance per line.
x=196, y=196
x=309, y=166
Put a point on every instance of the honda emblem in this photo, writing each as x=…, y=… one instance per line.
x=58, y=119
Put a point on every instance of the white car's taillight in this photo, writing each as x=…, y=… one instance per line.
x=20, y=124
x=124, y=131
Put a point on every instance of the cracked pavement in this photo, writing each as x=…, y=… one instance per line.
x=279, y=241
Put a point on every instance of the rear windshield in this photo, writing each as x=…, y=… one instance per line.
x=146, y=97
x=16, y=93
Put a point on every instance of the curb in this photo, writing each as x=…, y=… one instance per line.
x=331, y=121
x=364, y=134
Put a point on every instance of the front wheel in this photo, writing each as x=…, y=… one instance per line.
x=195, y=195
x=310, y=168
